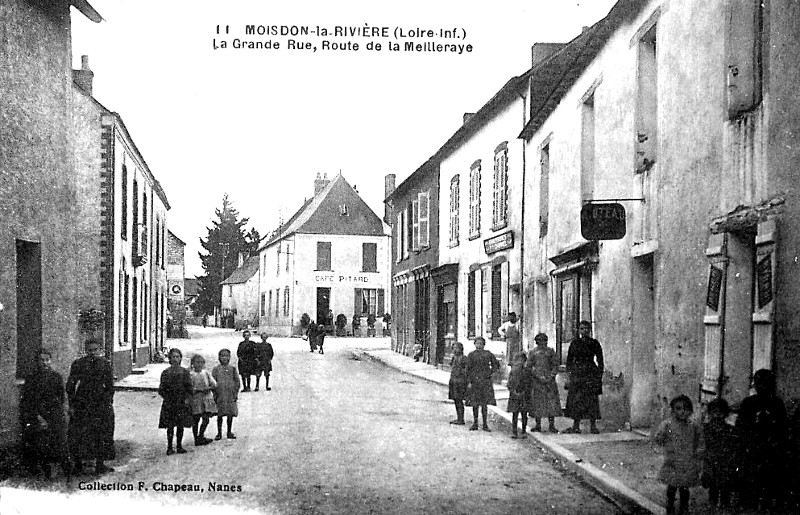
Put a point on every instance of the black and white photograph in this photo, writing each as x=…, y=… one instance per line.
x=355, y=257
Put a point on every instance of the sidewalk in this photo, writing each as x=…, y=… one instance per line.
x=621, y=465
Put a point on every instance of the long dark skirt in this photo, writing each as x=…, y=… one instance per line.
x=91, y=434
x=582, y=403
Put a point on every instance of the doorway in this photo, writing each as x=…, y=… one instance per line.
x=323, y=305
x=29, y=306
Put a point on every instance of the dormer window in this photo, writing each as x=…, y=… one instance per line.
x=343, y=209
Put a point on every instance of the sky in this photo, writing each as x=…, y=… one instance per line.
x=260, y=124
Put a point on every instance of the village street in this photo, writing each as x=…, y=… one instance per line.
x=336, y=434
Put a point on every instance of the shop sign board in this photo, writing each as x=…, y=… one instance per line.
x=603, y=221
x=499, y=242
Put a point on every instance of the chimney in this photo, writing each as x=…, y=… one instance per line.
x=241, y=259
x=84, y=77
x=467, y=116
x=320, y=183
x=388, y=189
x=541, y=51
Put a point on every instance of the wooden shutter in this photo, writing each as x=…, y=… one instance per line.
x=380, y=303
x=424, y=218
x=358, y=302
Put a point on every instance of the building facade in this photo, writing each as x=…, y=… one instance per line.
x=412, y=210
x=176, y=282
x=240, y=294
x=42, y=257
x=699, y=293
x=124, y=217
x=329, y=259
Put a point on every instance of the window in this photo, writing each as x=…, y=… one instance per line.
x=287, y=257
x=368, y=302
x=278, y=259
x=286, y=301
x=500, y=199
x=475, y=200
x=270, y=302
x=544, y=190
x=324, y=255
x=424, y=201
x=471, y=305
x=587, y=148
x=399, y=232
x=124, y=208
x=646, y=143
x=409, y=228
x=744, y=51
x=277, y=301
x=414, y=225
x=454, y=201
x=369, y=257
x=263, y=304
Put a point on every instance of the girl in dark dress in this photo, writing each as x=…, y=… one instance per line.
x=519, y=393
x=320, y=338
x=248, y=359
x=43, y=420
x=458, y=382
x=176, y=411
x=721, y=456
x=481, y=365
x=585, y=369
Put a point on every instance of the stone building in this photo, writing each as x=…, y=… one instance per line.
x=124, y=223
x=41, y=256
x=685, y=109
x=412, y=209
x=330, y=257
x=240, y=293
x=176, y=282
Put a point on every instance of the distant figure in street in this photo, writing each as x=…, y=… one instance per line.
x=264, y=355
x=203, y=404
x=682, y=440
x=90, y=390
x=763, y=426
x=227, y=393
x=510, y=331
x=387, y=320
x=721, y=458
x=457, y=388
x=44, y=433
x=371, y=325
x=585, y=369
x=205, y=320
x=519, y=394
x=356, y=325
x=417, y=350
x=246, y=352
x=311, y=334
x=176, y=390
x=321, y=338
x=545, y=401
x=481, y=364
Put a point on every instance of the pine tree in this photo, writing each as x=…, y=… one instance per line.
x=226, y=239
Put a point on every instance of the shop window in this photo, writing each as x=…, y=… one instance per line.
x=368, y=302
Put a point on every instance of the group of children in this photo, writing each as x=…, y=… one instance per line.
x=748, y=457
x=191, y=397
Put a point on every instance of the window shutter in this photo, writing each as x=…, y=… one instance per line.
x=399, y=235
x=415, y=224
x=743, y=55
x=424, y=218
x=380, y=303
x=358, y=302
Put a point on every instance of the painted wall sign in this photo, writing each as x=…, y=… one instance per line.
x=499, y=242
x=333, y=278
x=604, y=221
x=714, y=288
x=764, y=281
x=175, y=289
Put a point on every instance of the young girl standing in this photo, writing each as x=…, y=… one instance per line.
x=176, y=411
x=227, y=392
x=519, y=391
x=457, y=388
x=545, y=401
x=203, y=405
x=681, y=439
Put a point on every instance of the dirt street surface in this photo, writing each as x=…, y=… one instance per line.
x=336, y=434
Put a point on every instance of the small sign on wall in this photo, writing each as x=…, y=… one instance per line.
x=714, y=287
x=764, y=280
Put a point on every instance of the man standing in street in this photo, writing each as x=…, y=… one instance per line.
x=510, y=331
x=90, y=390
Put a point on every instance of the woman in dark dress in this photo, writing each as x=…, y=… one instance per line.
x=585, y=369
x=481, y=365
x=90, y=390
x=43, y=418
x=457, y=389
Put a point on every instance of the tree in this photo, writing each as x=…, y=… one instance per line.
x=226, y=239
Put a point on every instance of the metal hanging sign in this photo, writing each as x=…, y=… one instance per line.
x=603, y=221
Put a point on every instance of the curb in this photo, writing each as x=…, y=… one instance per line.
x=619, y=494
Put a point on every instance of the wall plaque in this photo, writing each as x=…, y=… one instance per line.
x=764, y=281
x=499, y=242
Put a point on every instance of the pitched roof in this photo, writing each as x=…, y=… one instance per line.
x=322, y=215
x=244, y=272
x=551, y=79
x=87, y=10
